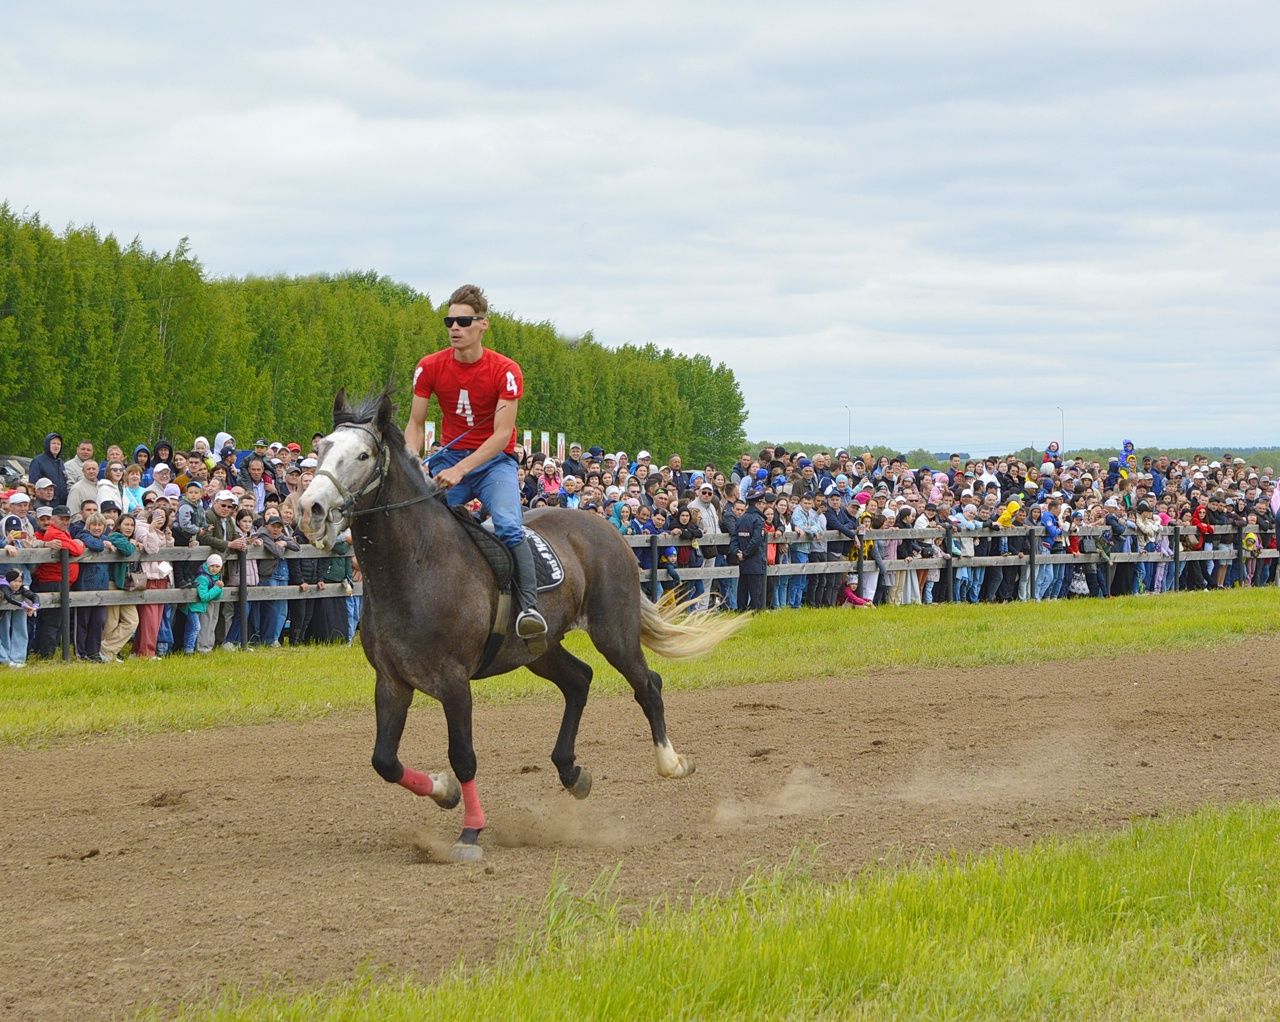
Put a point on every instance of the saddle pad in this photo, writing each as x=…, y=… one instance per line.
x=549, y=569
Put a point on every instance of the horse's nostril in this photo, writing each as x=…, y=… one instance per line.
x=317, y=511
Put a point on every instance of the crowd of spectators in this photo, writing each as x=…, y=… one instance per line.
x=227, y=499
x=806, y=499
x=214, y=496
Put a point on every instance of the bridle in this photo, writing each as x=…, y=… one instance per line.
x=346, y=511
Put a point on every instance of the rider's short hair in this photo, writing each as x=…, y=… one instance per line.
x=470, y=294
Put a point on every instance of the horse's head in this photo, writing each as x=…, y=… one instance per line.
x=353, y=460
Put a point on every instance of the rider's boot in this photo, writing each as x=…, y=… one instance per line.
x=531, y=626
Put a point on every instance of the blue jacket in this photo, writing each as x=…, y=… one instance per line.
x=93, y=577
x=47, y=465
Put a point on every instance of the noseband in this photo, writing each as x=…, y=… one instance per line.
x=346, y=510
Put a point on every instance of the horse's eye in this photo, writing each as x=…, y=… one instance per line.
x=364, y=456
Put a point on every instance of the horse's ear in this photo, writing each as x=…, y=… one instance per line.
x=341, y=410
x=386, y=409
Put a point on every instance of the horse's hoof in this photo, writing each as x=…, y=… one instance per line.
x=447, y=793
x=581, y=788
x=467, y=847
x=687, y=767
x=465, y=853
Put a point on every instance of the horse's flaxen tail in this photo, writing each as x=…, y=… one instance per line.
x=671, y=631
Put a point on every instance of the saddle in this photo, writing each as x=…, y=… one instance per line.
x=549, y=569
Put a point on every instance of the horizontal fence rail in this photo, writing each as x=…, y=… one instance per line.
x=1231, y=539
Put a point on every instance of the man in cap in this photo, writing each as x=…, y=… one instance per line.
x=747, y=551
x=220, y=534
x=53, y=532
x=572, y=465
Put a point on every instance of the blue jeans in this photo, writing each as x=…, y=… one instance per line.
x=1149, y=570
x=796, y=583
x=726, y=587
x=194, y=623
x=164, y=637
x=494, y=485
x=976, y=577
x=355, y=604
x=13, y=637
x=1044, y=580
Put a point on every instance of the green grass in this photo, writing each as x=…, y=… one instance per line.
x=51, y=700
x=1168, y=920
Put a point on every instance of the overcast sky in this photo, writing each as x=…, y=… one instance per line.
x=951, y=218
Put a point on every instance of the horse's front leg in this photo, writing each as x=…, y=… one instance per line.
x=391, y=701
x=462, y=757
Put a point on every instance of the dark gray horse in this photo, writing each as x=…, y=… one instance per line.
x=431, y=599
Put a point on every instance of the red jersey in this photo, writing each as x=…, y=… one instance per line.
x=469, y=393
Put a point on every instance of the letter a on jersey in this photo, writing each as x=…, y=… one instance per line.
x=464, y=407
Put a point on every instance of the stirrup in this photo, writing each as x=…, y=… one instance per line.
x=532, y=628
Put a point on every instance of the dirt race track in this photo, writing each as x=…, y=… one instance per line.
x=160, y=869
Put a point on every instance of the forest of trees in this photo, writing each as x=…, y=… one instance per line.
x=115, y=343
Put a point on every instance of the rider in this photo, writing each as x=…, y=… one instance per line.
x=479, y=391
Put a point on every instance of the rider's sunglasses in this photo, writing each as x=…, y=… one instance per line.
x=460, y=320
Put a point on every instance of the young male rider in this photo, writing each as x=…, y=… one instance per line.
x=479, y=392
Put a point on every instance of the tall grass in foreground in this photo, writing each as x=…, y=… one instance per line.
x=1174, y=919
x=52, y=700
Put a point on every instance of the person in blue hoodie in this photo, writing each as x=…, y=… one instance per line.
x=142, y=458
x=49, y=466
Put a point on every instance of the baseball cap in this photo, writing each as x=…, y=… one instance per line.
x=196, y=483
x=61, y=511
x=706, y=486
x=44, y=512
x=19, y=498
x=261, y=442
x=222, y=495
x=172, y=490
x=294, y=447
x=275, y=445
x=293, y=470
x=108, y=505
x=307, y=463
x=642, y=455
x=42, y=482
x=575, y=446
x=162, y=467
x=228, y=449
x=595, y=452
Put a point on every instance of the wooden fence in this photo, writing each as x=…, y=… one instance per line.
x=66, y=599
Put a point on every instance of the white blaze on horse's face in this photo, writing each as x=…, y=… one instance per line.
x=348, y=456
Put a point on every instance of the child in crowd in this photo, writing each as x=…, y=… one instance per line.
x=18, y=606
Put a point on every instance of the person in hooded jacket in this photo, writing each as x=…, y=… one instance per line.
x=163, y=455
x=142, y=458
x=48, y=465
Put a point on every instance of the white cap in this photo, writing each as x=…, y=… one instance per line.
x=307, y=463
x=19, y=498
x=613, y=491
x=643, y=454
x=214, y=560
x=162, y=467
x=44, y=481
x=44, y=512
x=224, y=495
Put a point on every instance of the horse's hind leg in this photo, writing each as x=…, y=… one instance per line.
x=573, y=678
x=391, y=701
x=626, y=656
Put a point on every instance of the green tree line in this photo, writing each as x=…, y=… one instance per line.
x=116, y=343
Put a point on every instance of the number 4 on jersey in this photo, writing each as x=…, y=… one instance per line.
x=464, y=407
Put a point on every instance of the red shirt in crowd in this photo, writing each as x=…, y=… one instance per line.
x=469, y=393
x=52, y=572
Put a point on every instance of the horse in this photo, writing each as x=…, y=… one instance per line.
x=431, y=601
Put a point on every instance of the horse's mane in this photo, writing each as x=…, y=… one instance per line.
x=378, y=410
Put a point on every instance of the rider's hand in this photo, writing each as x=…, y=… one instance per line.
x=447, y=477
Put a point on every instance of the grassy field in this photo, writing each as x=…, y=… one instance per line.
x=53, y=700
x=1168, y=920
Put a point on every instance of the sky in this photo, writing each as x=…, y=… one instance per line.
x=919, y=224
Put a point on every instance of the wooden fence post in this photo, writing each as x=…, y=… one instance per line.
x=64, y=611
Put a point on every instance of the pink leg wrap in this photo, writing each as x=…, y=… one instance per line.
x=472, y=813
x=417, y=782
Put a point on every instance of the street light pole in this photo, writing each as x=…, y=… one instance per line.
x=1062, y=433
x=849, y=438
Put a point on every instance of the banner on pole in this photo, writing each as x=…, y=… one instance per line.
x=528, y=441
x=546, y=442
x=560, y=447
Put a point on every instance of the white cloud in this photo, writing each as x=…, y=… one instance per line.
x=953, y=219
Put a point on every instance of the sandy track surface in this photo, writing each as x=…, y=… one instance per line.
x=156, y=870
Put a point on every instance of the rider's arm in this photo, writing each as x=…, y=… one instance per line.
x=415, y=433
x=504, y=422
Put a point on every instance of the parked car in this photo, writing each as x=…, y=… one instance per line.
x=12, y=468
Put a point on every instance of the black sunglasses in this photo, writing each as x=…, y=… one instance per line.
x=460, y=320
